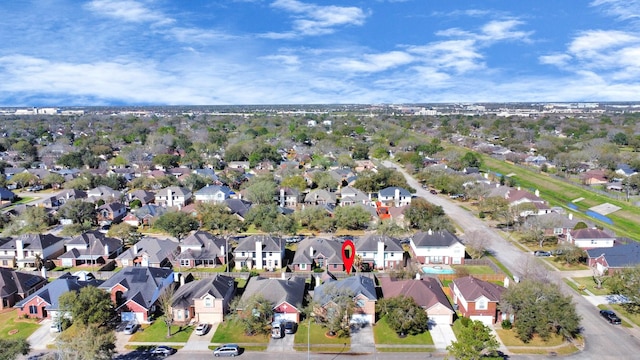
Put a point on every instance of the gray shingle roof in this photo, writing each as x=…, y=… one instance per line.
x=277, y=291
x=356, y=285
x=391, y=192
x=143, y=283
x=12, y=282
x=32, y=241
x=434, y=238
x=97, y=245
x=330, y=249
x=52, y=291
x=157, y=249
x=269, y=243
x=618, y=256
x=369, y=242
x=217, y=286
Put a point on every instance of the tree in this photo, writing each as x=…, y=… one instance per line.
x=256, y=315
x=540, y=308
x=166, y=302
x=476, y=243
x=360, y=151
x=12, y=348
x=125, y=232
x=23, y=179
x=626, y=282
x=216, y=217
x=166, y=160
x=79, y=211
x=33, y=220
x=295, y=182
x=90, y=305
x=324, y=180
x=336, y=314
x=403, y=315
x=474, y=341
x=261, y=191
x=390, y=228
x=54, y=180
x=313, y=218
x=177, y=223
x=91, y=342
x=262, y=216
x=423, y=215
x=352, y=217
x=495, y=206
x=570, y=254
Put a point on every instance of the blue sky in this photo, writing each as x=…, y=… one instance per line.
x=221, y=52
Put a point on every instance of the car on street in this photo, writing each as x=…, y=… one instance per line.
x=611, y=317
x=290, y=327
x=163, y=350
x=227, y=350
x=131, y=328
x=542, y=253
x=434, y=192
x=202, y=329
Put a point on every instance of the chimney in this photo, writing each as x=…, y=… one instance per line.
x=43, y=271
x=430, y=232
x=283, y=275
x=570, y=216
x=281, y=197
x=311, y=251
x=537, y=193
x=106, y=249
x=396, y=197
x=135, y=248
x=258, y=262
x=19, y=249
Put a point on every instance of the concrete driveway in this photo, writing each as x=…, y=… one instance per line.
x=284, y=344
x=42, y=337
x=441, y=334
x=362, y=340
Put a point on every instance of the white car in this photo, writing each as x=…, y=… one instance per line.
x=202, y=329
x=131, y=328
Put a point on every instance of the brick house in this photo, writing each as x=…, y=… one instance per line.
x=364, y=296
x=15, y=286
x=285, y=295
x=477, y=299
x=204, y=301
x=313, y=252
x=437, y=247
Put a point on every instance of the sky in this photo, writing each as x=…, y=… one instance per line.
x=252, y=52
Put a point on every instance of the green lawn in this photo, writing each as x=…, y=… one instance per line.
x=319, y=341
x=231, y=332
x=559, y=193
x=10, y=322
x=383, y=334
x=475, y=269
x=590, y=285
x=157, y=332
x=509, y=338
x=634, y=318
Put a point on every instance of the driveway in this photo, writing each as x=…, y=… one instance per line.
x=362, y=340
x=442, y=335
x=284, y=344
x=42, y=337
x=200, y=343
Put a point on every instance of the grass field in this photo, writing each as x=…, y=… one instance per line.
x=13, y=327
x=231, y=332
x=475, y=269
x=157, y=332
x=384, y=335
x=509, y=338
x=559, y=193
x=590, y=285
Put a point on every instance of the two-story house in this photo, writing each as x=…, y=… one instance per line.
x=351, y=196
x=379, y=251
x=25, y=250
x=590, y=238
x=173, y=196
x=149, y=252
x=104, y=193
x=201, y=248
x=15, y=286
x=477, y=299
x=289, y=197
x=90, y=248
x=259, y=252
x=314, y=252
x=437, y=247
x=112, y=212
x=204, y=301
x=216, y=194
x=394, y=196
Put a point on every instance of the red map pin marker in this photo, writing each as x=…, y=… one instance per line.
x=348, y=254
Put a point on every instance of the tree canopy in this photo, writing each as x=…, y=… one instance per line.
x=177, y=223
x=474, y=341
x=403, y=315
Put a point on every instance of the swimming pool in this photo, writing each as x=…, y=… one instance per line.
x=437, y=270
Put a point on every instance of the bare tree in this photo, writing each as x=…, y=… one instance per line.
x=476, y=243
x=598, y=276
x=531, y=269
x=166, y=302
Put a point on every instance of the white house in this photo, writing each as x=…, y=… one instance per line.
x=394, y=196
x=259, y=252
x=437, y=247
x=173, y=196
x=590, y=238
x=213, y=194
x=379, y=251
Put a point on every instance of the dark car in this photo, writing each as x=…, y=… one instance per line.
x=611, y=317
x=290, y=327
x=163, y=350
x=433, y=192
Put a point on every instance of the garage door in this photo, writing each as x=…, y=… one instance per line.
x=487, y=320
x=440, y=319
x=282, y=317
x=210, y=318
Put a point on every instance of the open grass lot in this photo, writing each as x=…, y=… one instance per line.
x=157, y=332
x=590, y=285
x=10, y=322
x=320, y=342
x=555, y=344
x=559, y=193
x=384, y=335
x=475, y=269
x=231, y=332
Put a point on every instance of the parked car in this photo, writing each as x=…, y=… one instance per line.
x=163, y=350
x=131, y=328
x=277, y=331
x=290, y=327
x=542, y=253
x=611, y=317
x=227, y=350
x=202, y=329
x=434, y=192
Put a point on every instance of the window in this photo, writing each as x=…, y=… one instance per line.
x=208, y=302
x=303, y=266
x=185, y=262
x=481, y=304
x=557, y=231
x=320, y=262
x=270, y=254
x=5, y=263
x=360, y=303
x=33, y=309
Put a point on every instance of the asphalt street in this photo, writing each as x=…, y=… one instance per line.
x=603, y=341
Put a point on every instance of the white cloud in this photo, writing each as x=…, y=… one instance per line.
x=290, y=60
x=370, y=63
x=559, y=60
x=590, y=42
x=493, y=31
x=460, y=56
x=311, y=19
x=621, y=9
x=129, y=11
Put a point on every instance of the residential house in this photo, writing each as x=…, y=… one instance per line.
x=23, y=251
x=207, y=174
x=213, y=194
x=173, y=196
x=361, y=288
x=313, y=253
x=625, y=170
x=145, y=215
x=437, y=247
x=44, y=303
x=6, y=196
x=552, y=224
x=244, y=165
x=203, y=301
x=201, y=248
x=285, y=295
x=394, y=196
x=426, y=292
x=290, y=197
x=110, y=213
x=614, y=258
x=104, y=193
x=320, y=197
x=90, y=248
x=145, y=197
x=594, y=177
x=63, y=197
x=149, y=252
x=517, y=197
x=135, y=291
x=259, y=252
x=590, y=238
x=15, y=286
x=379, y=251
x=343, y=176
x=477, y=299
x=362, y=165
x=238, y=207
x=351, y=196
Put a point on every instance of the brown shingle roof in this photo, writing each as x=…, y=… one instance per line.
x=472, y=289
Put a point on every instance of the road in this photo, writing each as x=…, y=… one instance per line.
x=602, y=340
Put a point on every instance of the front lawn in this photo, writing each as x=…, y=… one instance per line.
x=509, y=338
x=318, y=340
x=634, y=318
x=589, y=284
x=231, y=331
x=157, y=333
x=14, y=327
x=383, y=334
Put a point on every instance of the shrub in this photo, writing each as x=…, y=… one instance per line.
x=506, y=324
x=465, y=321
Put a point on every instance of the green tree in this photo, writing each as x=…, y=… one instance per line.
x=626, y=282
x=474, y=341
x=424, y=215
x=312, y=217
x=360, y=151
x=262, y=216
x=177, y=223
x=166, y=160
x=295, y=182
x=166, y=305
x=540, y=308
x=571, y=254
x=90, y=305
x=403, y=315
x=78, y=211
x=71, y=160
x=125, y=232
x=216, y=217
x=261, y=191
x=90, y=342
x=337, y=314
x=11, y=348
x=23, y=179
x=352, y=217
x=256, y=315
x=390, y=228
x=324, y=180
x=33, y=220
x=53, y=180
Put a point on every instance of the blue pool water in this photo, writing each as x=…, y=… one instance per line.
x=437, y=270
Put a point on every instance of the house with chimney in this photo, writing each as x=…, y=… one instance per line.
x=352, y=196
x=16, y=286
x=477, y=299
x=437, y=247
x=25, y=250
x=216, y=194
x=259, y=252
x=173, y=196
x=203, y=301
x=289, y=197
x=149, y=252
x=90, y=248
x=379, y=251
x=318, y=253
x=112, y=212
x=104, y=193
x=284, y=294
x=394, y=196
x=518, y=197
